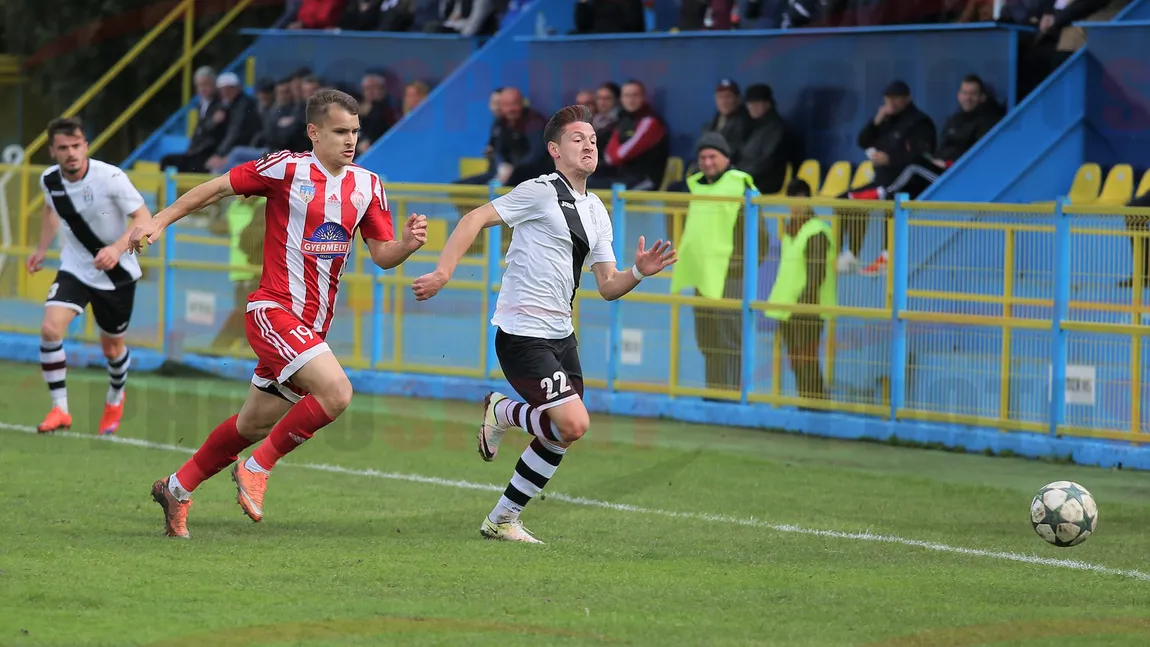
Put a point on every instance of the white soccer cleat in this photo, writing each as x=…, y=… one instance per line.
x=507, y=531
x=490, y=432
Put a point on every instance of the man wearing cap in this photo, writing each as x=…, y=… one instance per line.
x=209, y=127
x=898, y=134
x=731, y=119
x=768, y=146
x=711, y=259
x=240, y=113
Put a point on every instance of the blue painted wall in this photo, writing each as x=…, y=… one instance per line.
x=827, y=97
x=336, y=58
x=1118, y=92
x=455, y=119
x=344, y=57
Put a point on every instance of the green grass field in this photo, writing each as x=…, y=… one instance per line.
x=658, y=533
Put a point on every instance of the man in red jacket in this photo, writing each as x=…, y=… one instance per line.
x=638, y=150
x=318, y=14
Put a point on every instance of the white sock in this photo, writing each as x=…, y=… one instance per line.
x=253, y=466
x=177, y=489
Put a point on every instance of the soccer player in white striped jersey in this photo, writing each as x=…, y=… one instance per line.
x=559, y=228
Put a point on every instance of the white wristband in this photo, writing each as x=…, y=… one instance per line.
x=639, y=276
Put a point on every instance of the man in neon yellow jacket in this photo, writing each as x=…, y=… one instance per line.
x=804, y=277
x=711, y=259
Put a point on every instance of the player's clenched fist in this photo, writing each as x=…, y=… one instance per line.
x=415, y=232
x=148, y=231
x=429, y=285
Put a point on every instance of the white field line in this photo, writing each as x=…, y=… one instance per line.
x=623, y=507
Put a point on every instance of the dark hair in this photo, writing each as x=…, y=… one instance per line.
x=973, y=78
x=562, y=119
x=319, y=103
x=613, y=88
x=65, y=126
x=798, y=188
x=635, y=82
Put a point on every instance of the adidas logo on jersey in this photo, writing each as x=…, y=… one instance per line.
x=333, y=199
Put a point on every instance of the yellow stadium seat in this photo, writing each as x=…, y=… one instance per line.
x=471, y=166
x=837, y=181
x=1119, y=186
x=1143, y=185
x=147, y=176
x=673, y=172
x=1087, y=184
x=864, y=175
x=810, y=171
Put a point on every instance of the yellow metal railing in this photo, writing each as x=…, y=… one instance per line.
x=993, y=299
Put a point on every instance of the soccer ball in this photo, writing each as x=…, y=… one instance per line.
x=1064, y=513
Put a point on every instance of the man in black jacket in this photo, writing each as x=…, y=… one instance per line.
x=518, y=150
x=243, y=120
x=731, y=119
x=899, y=134
x=768, y=145
x=977, y=114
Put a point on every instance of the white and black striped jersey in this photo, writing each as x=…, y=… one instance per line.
x=556, y=233
x=94, y=212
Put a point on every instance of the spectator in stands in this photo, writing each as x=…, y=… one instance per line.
x=609, y=16
x=361, y=15
x=520, y=153
x=397, y=15
x=731, y=118
x=1058, y=38
x=977, y=114
x=604, y=119
x=494, y=105
x=899, y=134
x=265, y=96
x=639, y=146
x=465, y=17
x=586, y=98
x=711, y=258
x=242, y=119
x=308, y=85
x=318, y=14
x=414, y=94
x=288, y=17
x=211, y=123
x=805, y=277
x=1139, y=224
x=284, y=128
x=767, y=148
x=376, y=115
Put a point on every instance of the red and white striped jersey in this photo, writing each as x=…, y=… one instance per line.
x=312, y=217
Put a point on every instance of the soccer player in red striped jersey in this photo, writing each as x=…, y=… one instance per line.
x=316, y=202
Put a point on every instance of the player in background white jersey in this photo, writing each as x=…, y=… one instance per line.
x=559, y=228
x=89, y=203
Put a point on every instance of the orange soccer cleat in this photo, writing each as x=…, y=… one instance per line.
x=175, y=511
x=110, y=421
x=250, y=489
x=56, y=420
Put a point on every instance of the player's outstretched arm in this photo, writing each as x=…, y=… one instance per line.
x=457, y=245
x=204, y=195
x=389, y=254
x=614, y=284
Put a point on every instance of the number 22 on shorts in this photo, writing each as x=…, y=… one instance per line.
x=549, y=383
